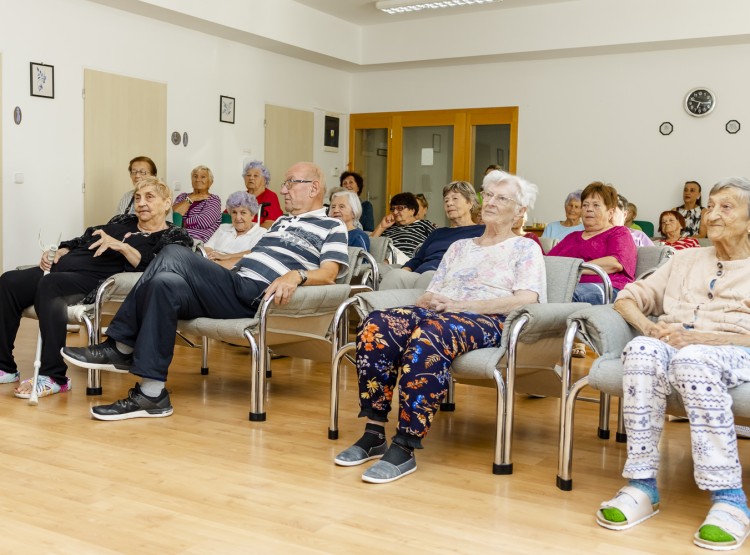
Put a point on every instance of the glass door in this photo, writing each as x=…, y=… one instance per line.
x=428, y=166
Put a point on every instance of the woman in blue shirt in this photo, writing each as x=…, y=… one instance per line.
x=346, y=207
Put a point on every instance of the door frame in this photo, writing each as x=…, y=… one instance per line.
x=462, y=120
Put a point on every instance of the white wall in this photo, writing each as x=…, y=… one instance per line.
x=596, y=118
x=75, y=34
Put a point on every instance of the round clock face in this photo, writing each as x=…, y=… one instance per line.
x=700, y=102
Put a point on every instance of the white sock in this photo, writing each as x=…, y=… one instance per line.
x=124, y=349
x=151, y=388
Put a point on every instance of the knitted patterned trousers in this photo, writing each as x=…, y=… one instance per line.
x=702, y=376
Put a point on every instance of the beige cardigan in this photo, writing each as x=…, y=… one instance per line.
x=680, y=291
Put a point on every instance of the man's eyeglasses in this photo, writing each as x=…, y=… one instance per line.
x=398, y=208
x=141, y=173
x=289, y=183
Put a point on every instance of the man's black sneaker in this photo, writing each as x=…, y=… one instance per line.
x=103, y=356
x=135, y=405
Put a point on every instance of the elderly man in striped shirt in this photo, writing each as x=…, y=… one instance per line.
x=304, y=247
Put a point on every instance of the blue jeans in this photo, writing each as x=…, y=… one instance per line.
x=592, y=293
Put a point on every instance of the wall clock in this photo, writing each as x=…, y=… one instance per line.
x=700, y=102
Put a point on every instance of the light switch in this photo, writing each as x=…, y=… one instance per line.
x=18, y=178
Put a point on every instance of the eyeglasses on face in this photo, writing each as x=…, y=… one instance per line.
x=140, y=173
x=289, y=183
x=398, y=208
x=490, y=197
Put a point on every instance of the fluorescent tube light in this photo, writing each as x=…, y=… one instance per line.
x=405, y=6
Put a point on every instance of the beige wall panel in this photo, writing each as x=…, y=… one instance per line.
x=123, y=118
x=289, y=139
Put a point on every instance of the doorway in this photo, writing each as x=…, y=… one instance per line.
x=423, y=151
x=123, y=118
x=288, y=140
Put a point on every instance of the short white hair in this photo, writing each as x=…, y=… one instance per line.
x=527, y=191
x=351, y=197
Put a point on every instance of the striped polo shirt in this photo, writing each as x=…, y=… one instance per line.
x=301, y=242
x=408, y=238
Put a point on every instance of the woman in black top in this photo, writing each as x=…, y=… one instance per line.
x=127, y=243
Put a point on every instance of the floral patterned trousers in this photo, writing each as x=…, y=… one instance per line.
x=702, y=376
x=421, y=344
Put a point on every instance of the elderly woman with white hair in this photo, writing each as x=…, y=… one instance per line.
x=200, y=210
x=478, y=282
x=694, y=318
x=257, y=178
x=233, y=241
x=345, y=206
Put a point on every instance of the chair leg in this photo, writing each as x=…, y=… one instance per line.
x=565, y=454
x=449, y=405
x=94, y=382
x=333, y=422
x=204, y=354
x=501, y=465
x=603, y=431
x=621, y=436
x=568, y=394
x=257, y=381
x=93, y=378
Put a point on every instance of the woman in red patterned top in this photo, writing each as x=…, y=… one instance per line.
x=671, y=227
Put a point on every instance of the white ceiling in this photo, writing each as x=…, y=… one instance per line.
x=363, y=12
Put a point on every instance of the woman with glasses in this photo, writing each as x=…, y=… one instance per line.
x=478, y=282
x=609, y=246
x=694, y=319
x=138, y=168
x=127, y=243
x=257, y=177
x=403, y=227
x=200, y=210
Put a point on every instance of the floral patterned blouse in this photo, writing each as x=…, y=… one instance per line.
x=469, y=271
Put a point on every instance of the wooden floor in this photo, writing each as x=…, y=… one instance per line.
x=206, y=480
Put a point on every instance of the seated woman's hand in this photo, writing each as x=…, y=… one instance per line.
x=669, y=333
x=386, y=222
x=440, y=303
x=105, y=243
x=45, y=265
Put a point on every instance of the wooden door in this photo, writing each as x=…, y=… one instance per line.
x=123, y=118
x=289, y=139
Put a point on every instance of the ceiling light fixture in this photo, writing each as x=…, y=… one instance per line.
x=406, y=6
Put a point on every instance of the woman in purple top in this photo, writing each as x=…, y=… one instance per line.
x=608, y=246
x=200, y=210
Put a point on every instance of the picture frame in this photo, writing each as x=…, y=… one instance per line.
x=436, y=142
x=42, y=80
x=501, y=157
x=226, y=109
x=331, y=130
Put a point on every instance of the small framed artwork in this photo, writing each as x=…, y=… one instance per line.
x=226, y=109
x=42, y=80
x=331, y=137
x=501, y=157
x=382, y=151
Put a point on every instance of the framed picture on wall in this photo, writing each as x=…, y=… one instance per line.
x=226, y=109
x=42, y=80
x=331, y=137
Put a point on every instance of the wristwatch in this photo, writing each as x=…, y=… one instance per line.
x=303, y=277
